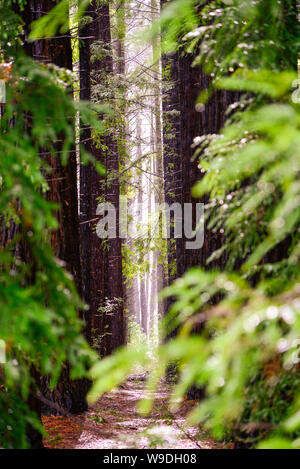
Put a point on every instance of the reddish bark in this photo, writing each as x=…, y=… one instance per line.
x=102, y=267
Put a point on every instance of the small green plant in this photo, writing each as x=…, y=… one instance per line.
x=97, y=418
x=135, y=334
x=109, y=411
x=55, y=439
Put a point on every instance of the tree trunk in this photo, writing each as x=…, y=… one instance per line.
x=102, y=266
x=63, y=191
x=92, y=187
x=182, y=85
x=159, y=170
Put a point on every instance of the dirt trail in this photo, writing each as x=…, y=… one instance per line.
x=114, y=423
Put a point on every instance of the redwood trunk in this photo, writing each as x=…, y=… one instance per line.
x=63, y=184
x=102, y=267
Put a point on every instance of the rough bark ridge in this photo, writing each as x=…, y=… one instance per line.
x=63, y=180
x=63, y=191
x=182, y=83
x=142, y=281
x=91, y=189
x=172, y=158
x=102, y=262
x=181, y=124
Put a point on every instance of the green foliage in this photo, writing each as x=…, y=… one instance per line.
x=176, y=20
x=269, y=396
x=39, y=303
x=256, y=35
x=10, y=30
x=97, y=419
x=243, y=332
x=136, y=337
x=113, y=370
x=57, y=19
x=245, y=171
x=251, y=176
x=248, y=314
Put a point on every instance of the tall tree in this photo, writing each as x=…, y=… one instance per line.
x=91, y=185
x=172, y=156
x=158, y=158
x=102, y=263
x=63, y=180
x=63, y=183
x=182, y=122
x=143, y=305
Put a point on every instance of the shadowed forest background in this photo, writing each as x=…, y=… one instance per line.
x=136, y=340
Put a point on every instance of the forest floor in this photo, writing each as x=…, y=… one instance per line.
x=114, y=423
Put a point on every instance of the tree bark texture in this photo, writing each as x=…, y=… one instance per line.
x=102, y=261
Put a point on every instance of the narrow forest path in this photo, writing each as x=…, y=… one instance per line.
x=114, y=423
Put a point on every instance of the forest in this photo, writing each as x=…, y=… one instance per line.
x=150, y=225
